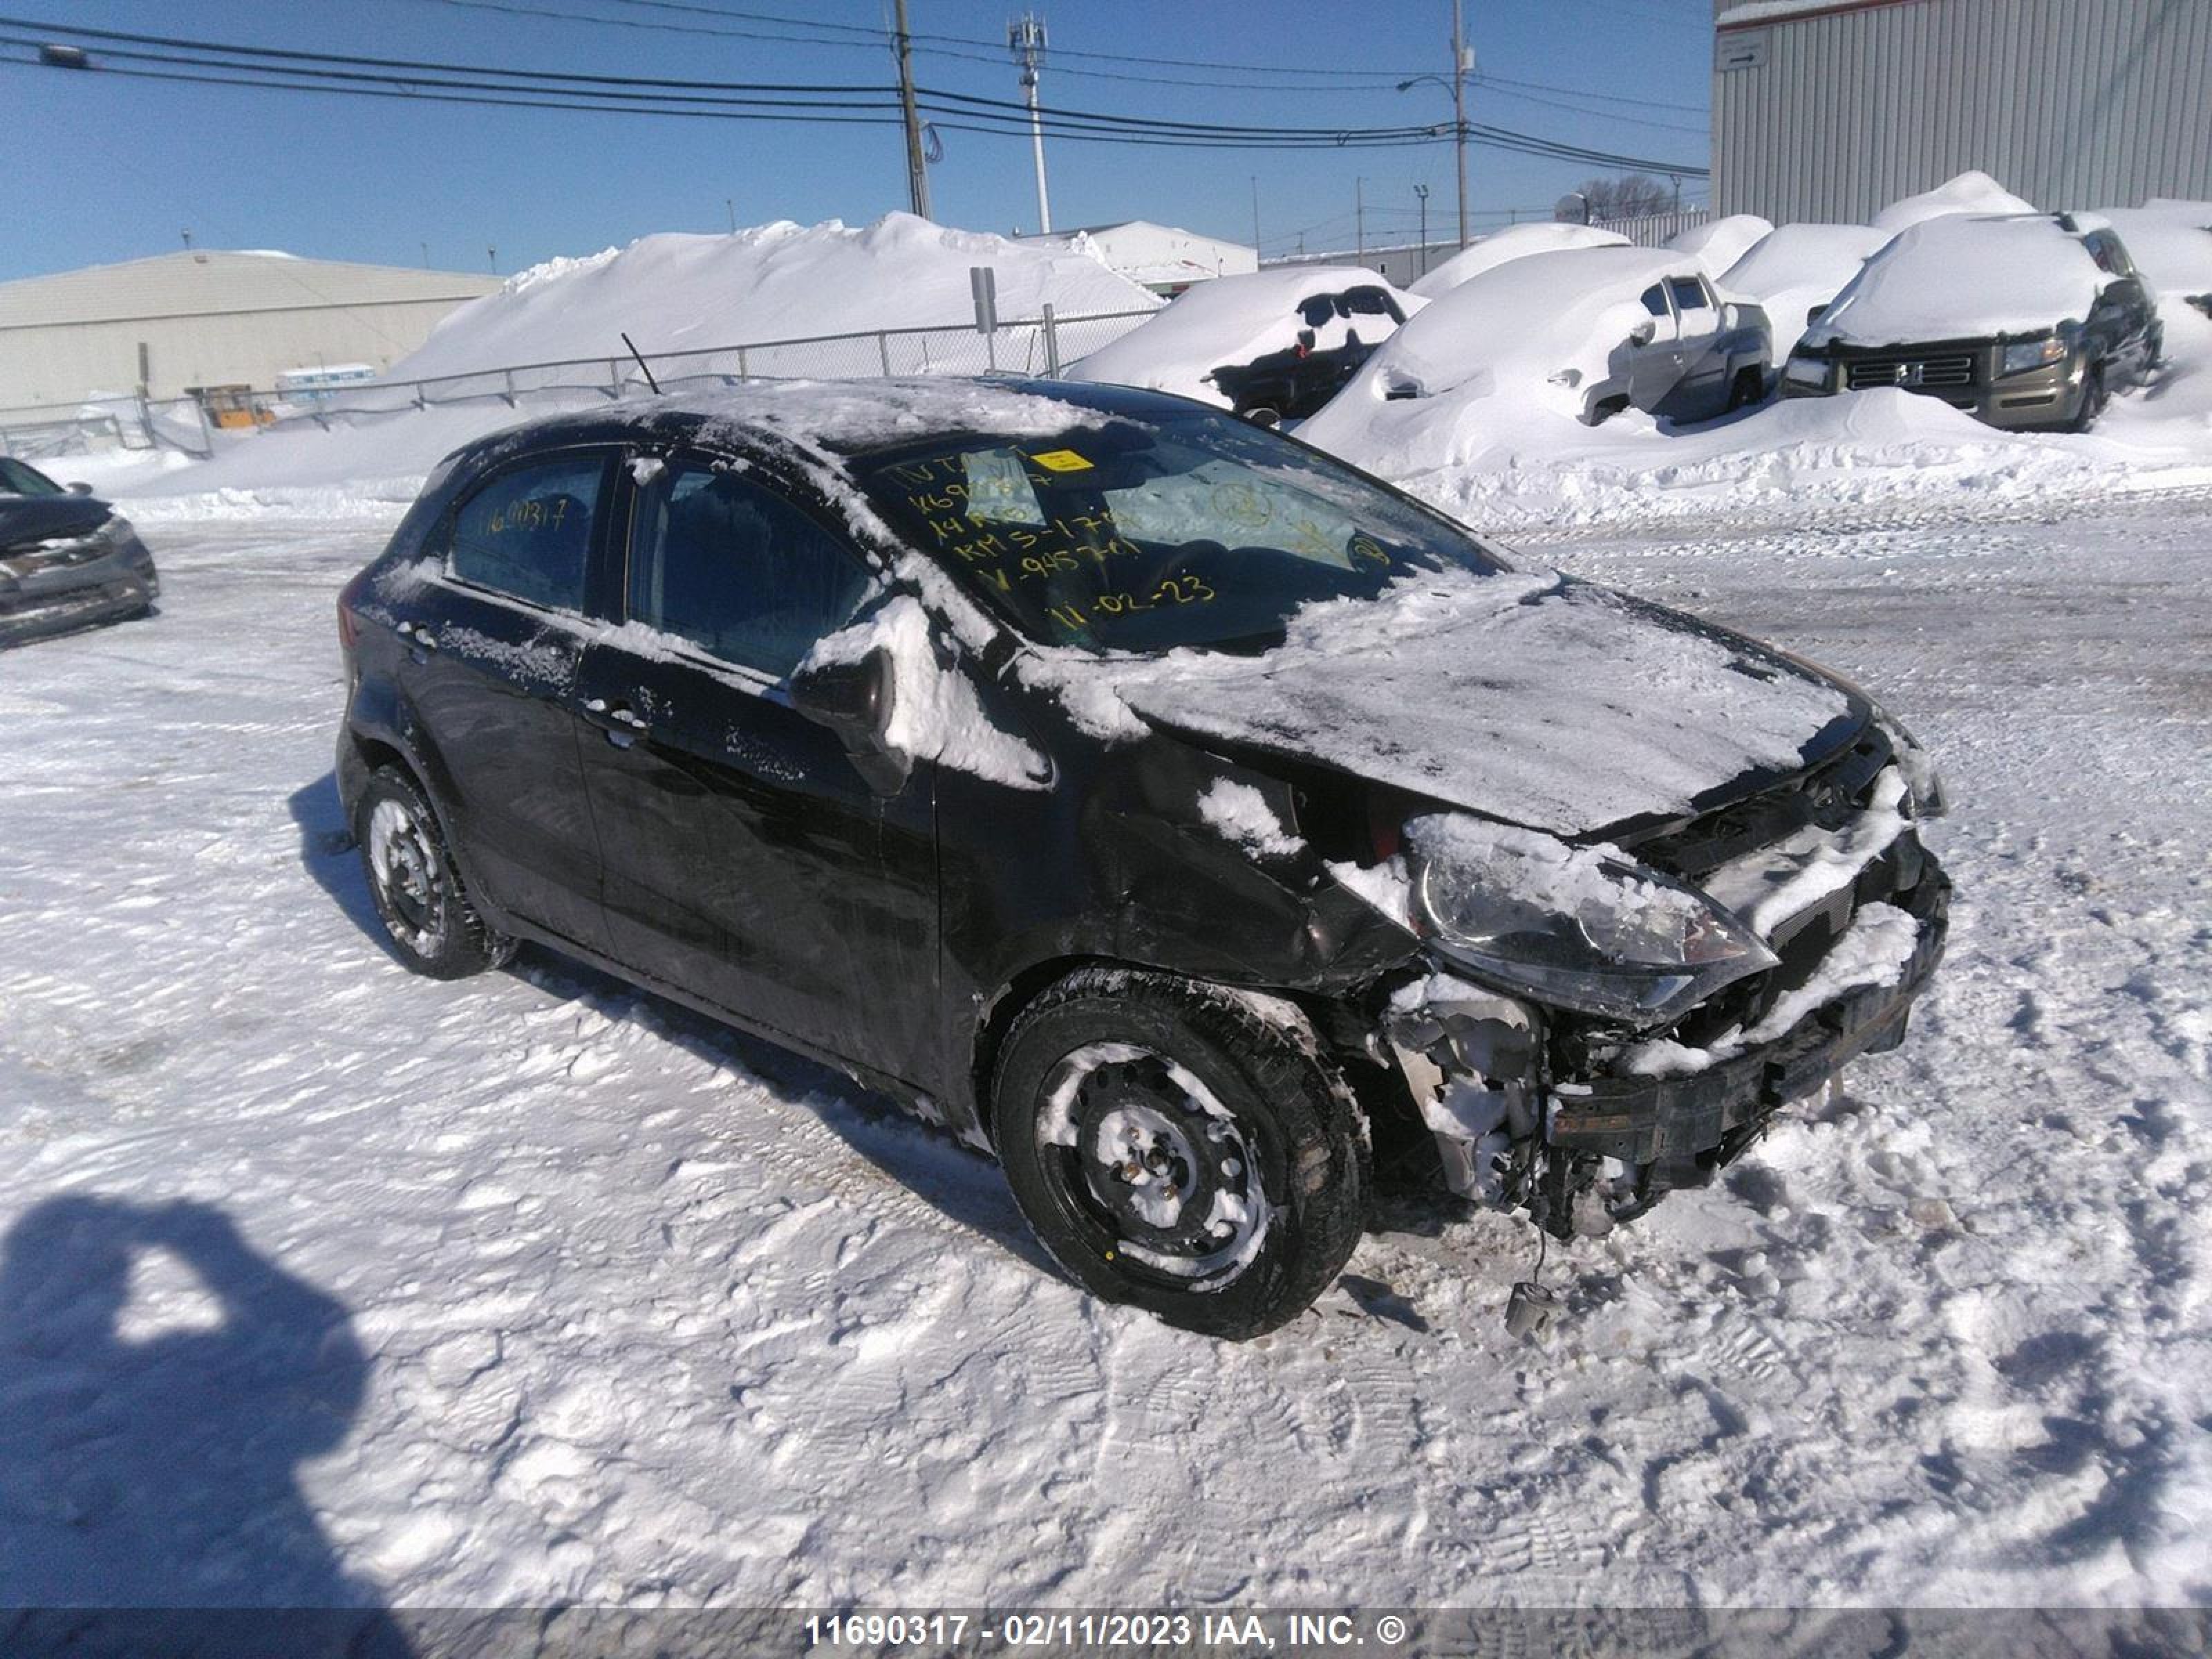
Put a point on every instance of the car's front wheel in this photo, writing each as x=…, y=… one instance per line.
x=2094, y=397
x=1182, y=1148
x=420, y=896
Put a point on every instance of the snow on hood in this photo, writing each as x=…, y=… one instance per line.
x=1956, y=277
x=1506, y=333
x=1971, y=191
x=1232, y=320
x=1501, y=247
x=1797, y=267
x=1527, y=697
x=1719, y=243
x=679, y=292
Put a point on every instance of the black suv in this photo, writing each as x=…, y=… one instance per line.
x=1290, y=384
x=1200, y=825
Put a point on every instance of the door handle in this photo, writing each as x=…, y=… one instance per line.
x=623, y=725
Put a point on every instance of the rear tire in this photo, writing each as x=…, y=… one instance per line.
x=420, y=896
x=1748, y=387
x=1177, y=1149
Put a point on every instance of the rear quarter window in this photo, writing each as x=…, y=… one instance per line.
x=528, y=531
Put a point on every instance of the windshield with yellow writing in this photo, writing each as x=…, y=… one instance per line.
x=1194, y=529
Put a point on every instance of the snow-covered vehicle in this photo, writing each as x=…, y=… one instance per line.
x=2028, y=321
x=1589, y=331
x=1270, y=344
x=67, y=559
x=2171, y=243
x=1204, y=828
x=1796, y=272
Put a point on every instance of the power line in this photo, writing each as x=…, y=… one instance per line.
x=298, y=70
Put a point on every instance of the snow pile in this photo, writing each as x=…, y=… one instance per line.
x=1541, y=331
x=1959, y=277
x=1242, y=815
x=1719, y=243
x=1232, y=320
x=780, y=281
x=1799, y=267
x=1514, y=242
x=1971, y=192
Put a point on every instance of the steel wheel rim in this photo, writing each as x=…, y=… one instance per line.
x=409, y=876
x=1158, y=1176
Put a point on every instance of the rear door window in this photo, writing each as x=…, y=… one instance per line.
x=528, y=533
x=737, y=570
x=1689, y=293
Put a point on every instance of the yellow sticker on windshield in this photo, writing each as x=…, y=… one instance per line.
x=1061, y=460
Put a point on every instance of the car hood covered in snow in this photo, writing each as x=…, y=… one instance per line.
x=1956, y=277
x=1529, y=697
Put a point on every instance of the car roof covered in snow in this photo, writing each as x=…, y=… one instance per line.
x=829, y=418
x=1964, y=277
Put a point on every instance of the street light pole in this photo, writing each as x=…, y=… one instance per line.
x=1422, y=191
x=1459, y=111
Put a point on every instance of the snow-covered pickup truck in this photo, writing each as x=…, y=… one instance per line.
x=1203, y=827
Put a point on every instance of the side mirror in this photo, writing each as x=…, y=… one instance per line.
x=79, y=488
x=1816, y=313
x=854, y=699
x=1642, y=335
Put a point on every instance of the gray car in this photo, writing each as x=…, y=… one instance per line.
x=68, y=560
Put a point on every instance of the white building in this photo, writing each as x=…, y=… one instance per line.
x=211, y=319
x=1164, y=258
x=1829, y=109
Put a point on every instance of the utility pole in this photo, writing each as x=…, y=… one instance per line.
x=1458, y=110
x=426, y=256
x=1422, y=192
x=1360, y=214
x=917, y=175
x=731, y=202
x=1255, y=213
x=1025, y=39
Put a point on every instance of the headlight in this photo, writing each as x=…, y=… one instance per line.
x=1583, y=927
x=1806, y=371
x=2025, y=355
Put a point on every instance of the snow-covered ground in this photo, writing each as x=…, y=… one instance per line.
x=318, y=1280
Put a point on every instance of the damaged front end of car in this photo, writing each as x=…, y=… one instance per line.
x=1593, y=1027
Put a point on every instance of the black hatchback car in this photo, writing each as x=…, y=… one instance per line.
x=1202, y=826
x=67, y=559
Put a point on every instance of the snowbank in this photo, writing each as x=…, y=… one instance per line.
x=1955, y=277
x=1797, y=267
x=779, y=281
x=1969, y=192
x=1233, y=319
x=1514, y=242
x=1719, y=243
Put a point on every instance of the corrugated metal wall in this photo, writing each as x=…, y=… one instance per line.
x=2070, y=103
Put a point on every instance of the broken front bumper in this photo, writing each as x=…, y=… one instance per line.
x=1492, y=1089
x=1669, y=1122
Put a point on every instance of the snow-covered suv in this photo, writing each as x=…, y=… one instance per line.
x=1202, y=826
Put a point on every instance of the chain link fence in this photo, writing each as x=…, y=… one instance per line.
x=1033, y=346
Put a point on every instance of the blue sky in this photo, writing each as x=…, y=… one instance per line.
x=110, y=169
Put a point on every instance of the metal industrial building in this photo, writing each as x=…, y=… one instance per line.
x=1828, y=110
x=211, y=319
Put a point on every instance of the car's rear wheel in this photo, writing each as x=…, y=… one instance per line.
x=420, y=896
x=1181, y=1149
x=1748, y=387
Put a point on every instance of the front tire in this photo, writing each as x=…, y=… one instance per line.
x=2094, y=397
x=420, y=896
x=1181, y=1149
